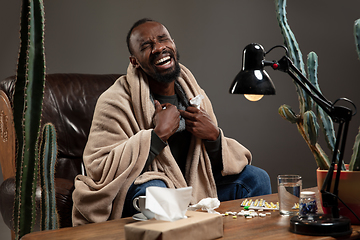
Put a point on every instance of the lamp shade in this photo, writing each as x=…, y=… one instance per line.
x=253, y=79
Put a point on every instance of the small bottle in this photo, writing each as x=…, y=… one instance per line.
x=307, y=204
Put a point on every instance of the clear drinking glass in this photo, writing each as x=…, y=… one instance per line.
x=289, y=188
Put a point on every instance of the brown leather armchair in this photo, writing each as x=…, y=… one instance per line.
x=69, y=102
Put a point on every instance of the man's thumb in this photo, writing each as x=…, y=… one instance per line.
x=157, y=106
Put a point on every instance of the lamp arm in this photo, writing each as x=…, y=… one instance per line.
x=286, y=65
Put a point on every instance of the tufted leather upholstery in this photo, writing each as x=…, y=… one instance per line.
x=69, y=102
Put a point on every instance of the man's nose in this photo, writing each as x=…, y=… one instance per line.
x=158, y=47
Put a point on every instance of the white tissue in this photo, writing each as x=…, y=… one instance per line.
x=196, y=101
x=206, y=204
x=168, y=204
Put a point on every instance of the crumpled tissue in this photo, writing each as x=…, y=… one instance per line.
x=206, y=204
x=168, y=204
x=196, y=101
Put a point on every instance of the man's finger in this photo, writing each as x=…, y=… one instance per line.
x=192, y=109
x=184, y=114
x=157, y=106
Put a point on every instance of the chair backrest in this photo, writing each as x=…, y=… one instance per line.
x=69, y=103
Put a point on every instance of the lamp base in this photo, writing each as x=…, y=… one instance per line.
x=320, y=225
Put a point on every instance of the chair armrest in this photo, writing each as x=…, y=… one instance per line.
x=64, y=204
x=7, y=195
x=7, y=137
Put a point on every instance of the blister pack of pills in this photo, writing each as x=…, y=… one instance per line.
x=259, y=204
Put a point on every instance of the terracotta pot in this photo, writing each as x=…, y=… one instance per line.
x=349, y=192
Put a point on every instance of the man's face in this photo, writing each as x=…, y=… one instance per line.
x=154, y=51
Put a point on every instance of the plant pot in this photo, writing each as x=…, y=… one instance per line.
x=349, y=192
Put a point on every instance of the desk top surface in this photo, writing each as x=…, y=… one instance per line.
x=274, y=226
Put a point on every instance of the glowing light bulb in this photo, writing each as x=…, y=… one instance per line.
x=253, y=97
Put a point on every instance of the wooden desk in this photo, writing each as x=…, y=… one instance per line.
x=270, y=227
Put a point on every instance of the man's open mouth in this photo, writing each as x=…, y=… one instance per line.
x=163, y=61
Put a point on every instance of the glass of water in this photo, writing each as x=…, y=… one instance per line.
x=289, y=188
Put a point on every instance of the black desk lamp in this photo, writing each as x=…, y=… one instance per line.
x=253, y=80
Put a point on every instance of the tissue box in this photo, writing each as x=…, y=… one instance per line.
x=198, y=225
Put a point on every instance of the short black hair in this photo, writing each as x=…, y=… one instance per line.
x=137, y=23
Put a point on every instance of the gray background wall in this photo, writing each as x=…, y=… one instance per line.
x=88, y=36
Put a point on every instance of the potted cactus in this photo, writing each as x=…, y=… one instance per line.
x=312, y=118
x=35, y=155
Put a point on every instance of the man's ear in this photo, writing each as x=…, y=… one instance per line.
x=134, y=61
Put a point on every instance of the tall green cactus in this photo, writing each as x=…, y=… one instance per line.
x=27, y=100
x=309, y=123
x=325, y=120
x=294, y=52
x=357, y=36
x=306, y=120
x=27, y=108
x=48, y=153
x=355, y=157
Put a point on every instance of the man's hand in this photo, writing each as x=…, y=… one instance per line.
x=166, y=120
x=199, y=123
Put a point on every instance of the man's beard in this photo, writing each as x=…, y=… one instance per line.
x=170, y=76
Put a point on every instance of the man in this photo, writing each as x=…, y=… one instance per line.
x=145, y=133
